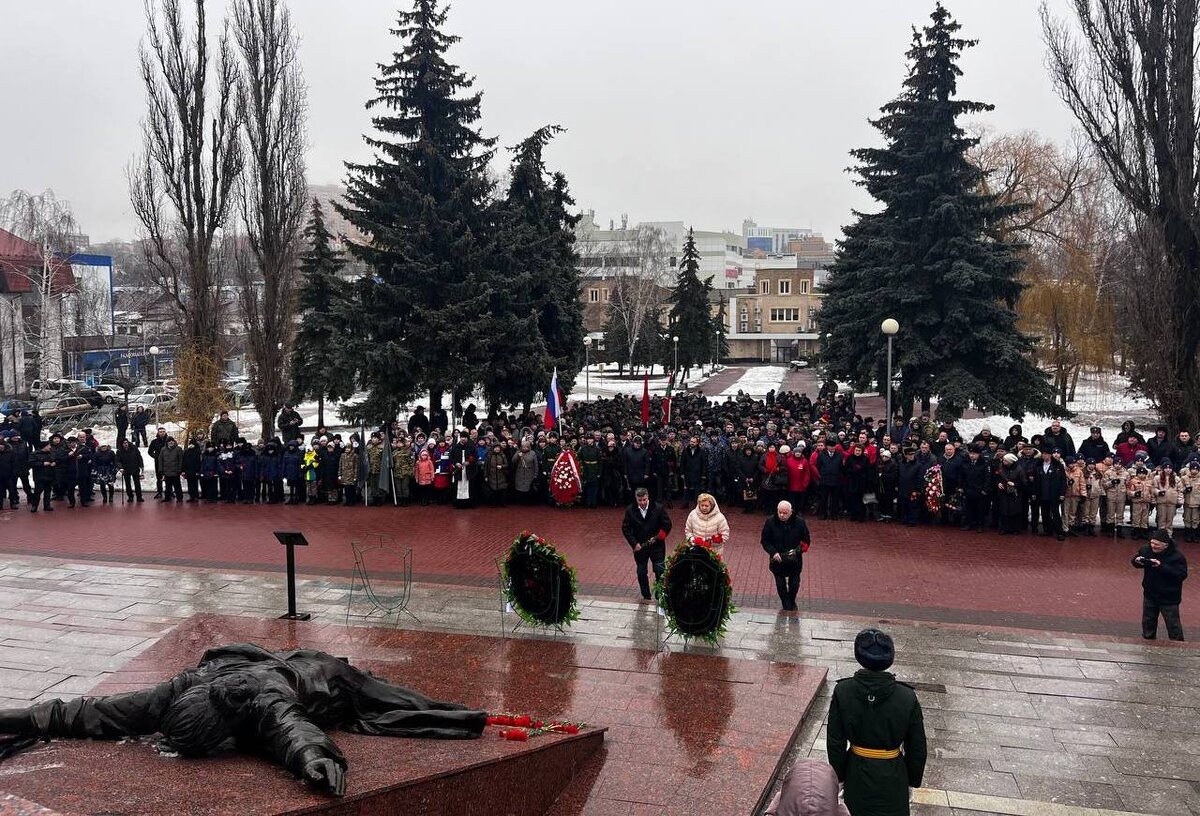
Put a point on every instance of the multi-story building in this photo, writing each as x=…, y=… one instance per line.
x=775, y=319
x=771, y=240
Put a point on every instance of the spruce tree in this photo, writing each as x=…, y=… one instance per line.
x=320, y=367
x=423, y=205
x=925, y=259
x=535, y=309
x=689, y=319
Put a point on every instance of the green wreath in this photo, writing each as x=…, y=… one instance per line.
x=538, y=583
x=696, y=593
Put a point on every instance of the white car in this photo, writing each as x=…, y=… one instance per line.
x=111, y=393
x=797, y=365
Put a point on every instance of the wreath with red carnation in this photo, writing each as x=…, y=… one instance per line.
x=538, y=583
x=696, y=592
x=565, y=484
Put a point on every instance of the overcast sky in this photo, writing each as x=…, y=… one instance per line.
x=705, y=111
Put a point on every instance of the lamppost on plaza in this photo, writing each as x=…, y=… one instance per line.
x=587, y=371
x=675, y=367
x=889, y=327
x=154, y=363
x=716, y=350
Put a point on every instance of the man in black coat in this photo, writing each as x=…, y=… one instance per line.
x=1094, y=447
x=1058, y=439
x=693, y=467
x=976, y=480
x=646, y=527
x=1050, y=487
x=1164, y=569
x=785, y=538
x=289, y=423
x=122, y=419
x=30, y=426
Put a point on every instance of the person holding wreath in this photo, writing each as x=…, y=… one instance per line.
x=646, y=526
x=707, y=522
x=785, y=538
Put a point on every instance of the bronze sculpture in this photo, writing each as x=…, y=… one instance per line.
x=243, y=696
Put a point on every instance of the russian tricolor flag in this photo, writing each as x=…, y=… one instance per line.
x=553, y=403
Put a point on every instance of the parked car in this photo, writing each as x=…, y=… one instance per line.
x=63, y=410
x=94, y=397
x=111, y=393
x=797, y=365
x=45, y=389
x=15, y=406
x=145, y=390
x=153, y=403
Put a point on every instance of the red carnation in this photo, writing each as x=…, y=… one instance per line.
x=571, y=728
x=516, y=735
x=499, y=719
x=524, y=720
x=698, y=541
x=718, y=538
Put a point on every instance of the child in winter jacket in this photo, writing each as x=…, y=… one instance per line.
x=1166, y=495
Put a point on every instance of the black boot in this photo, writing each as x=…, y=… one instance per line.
x=1120, y=531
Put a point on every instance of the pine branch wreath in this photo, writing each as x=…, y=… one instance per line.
x=696, y=593
x=539, y=585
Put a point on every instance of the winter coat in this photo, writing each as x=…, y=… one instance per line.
x=245, y=461
x=31, y=429
x=289, y=424
x=402, y=464
x=857, y=471
x=1159, y=449
x=1010, y=498
x=423, y=471
x=327, y=465
x=1139, y=490
x=1049, y=485
x=525, y=468
x=140, y=419
x=708, y=525
x=270, y=464
x=8, y=468
x=130, y=459
x=226, y=464
x=223, y=430
x=1060, y=442
x=911, y=479
x=1166, y=491
x=799, y=473
x=1094, y=448
x=122, y=418
x=637, y=464
x=170, y=461
x=977, y=478
x=872, y=710
x=954, y=472
x=810, y=788
x=348, y=466
x=829, y=467
x=1180, y=453
x=496, y=470
x=1127, y=452
x=1190, y=481
x=44, y=467
x=746, y=466
x=781, y=537
x=1076, y=482
x=209, y=467
x=589, y=463
x=191, y=459
x=889, y=477
x=290, y=463
x=104, y=467
x=1163, y=584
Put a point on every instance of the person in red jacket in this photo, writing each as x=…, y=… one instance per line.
x=799, y=477
x=1127, y=450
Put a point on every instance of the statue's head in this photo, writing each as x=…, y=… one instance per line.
x=203, y=720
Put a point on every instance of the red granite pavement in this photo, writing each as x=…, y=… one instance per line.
x=1082, y=585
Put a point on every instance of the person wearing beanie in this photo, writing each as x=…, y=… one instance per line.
x=1164, y=569
x=875, y=738
x=1138, y=489
x=1010, y=497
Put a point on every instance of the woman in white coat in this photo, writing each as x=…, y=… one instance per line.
x=706, y=521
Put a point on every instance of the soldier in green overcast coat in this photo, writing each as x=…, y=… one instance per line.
x=876, y=734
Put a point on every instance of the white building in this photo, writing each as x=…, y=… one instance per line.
x=771, y=240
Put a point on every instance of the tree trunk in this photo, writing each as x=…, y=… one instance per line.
x=435, y=400
x=1074, y=381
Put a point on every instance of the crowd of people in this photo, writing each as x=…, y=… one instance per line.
x=821, y=456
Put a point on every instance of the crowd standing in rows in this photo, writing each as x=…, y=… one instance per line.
x=822, y=457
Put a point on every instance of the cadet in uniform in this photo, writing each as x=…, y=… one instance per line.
x=876, y=734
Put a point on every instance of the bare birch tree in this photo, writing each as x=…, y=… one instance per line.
x=641, y=275
x=182, y=183
x=272, y=192
x=47, y=222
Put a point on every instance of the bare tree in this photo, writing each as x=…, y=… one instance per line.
x=47, y=222
x=182, y=184
x=1129, y=80
x=272, y=193
x=641, y=276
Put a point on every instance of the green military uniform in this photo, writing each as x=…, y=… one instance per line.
x=872, y=713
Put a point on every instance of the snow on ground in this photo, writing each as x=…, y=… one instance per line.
x=757, y=381
x=604, y=382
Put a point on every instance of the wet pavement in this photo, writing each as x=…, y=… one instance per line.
x=1020, y=722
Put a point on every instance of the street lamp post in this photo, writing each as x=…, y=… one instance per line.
x=675, y=367
x=889, y=327
x=587, y=370
x=154, y=364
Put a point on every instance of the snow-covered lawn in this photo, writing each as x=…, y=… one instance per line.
x=757, y=381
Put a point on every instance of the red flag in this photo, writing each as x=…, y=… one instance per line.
x=646, y=399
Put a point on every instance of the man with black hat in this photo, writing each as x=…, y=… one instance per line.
x=875, y=738
x=1164, y=569
x=1050, y=487
x=646, y=526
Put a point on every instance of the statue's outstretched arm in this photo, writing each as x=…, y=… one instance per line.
x=284, y=732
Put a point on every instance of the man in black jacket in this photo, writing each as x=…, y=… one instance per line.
x=1050, y=487
x=645, y=528
x=976, y=479
x=785, y=539
x=1164, y=569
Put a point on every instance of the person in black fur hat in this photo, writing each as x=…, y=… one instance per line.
x=875, y=738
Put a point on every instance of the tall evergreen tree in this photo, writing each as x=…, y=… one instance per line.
x=423, y=205
x=925, y=260
x=690, y=320
x=536, y=315
x=320, y=368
